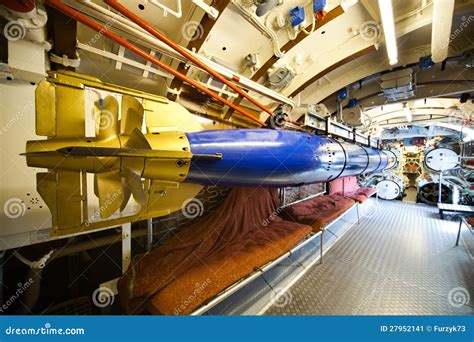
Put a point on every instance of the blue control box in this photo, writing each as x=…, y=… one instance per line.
x=296, y=16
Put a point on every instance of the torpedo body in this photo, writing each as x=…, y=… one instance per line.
x=113, y=164
x=236, y=157
x=277, y=158
x=153, y=165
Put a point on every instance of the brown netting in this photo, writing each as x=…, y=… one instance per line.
x=245, y=232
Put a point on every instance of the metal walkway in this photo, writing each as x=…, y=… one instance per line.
x=399, y=261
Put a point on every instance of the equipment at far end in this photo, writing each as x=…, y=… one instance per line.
x=441, y=159
x=390, y=189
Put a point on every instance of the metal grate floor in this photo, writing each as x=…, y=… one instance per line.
x=399, y=261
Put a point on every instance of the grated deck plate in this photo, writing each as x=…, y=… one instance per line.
x=399, y=261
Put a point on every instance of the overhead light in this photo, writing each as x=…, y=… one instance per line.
x=441, y=30
x=386, y=13
x=408, y=112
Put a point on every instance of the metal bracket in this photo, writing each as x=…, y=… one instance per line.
x=126, y=246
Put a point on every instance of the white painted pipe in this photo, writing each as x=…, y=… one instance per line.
x=443, y=11
x=211, y=11
x=178, y=13
x=261, y=27
x=144, y=67
x=115, y=21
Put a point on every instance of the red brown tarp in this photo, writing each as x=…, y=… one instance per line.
x=318, y=211
x=244, y=233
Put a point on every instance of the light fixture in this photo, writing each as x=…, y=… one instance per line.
x=408, y=112
x=441, y=30
x=386, y=13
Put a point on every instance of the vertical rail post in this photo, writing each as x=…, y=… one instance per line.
x=358, y=216
x=440, y=186
x=126, y=246
x=149, y=235
x=459, y=230
x=321, y=247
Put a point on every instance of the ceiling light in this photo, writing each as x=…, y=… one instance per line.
x=441, y=31
x=386, y=13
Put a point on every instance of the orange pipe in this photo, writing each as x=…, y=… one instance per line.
x=104, y=30
x=143, y=24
